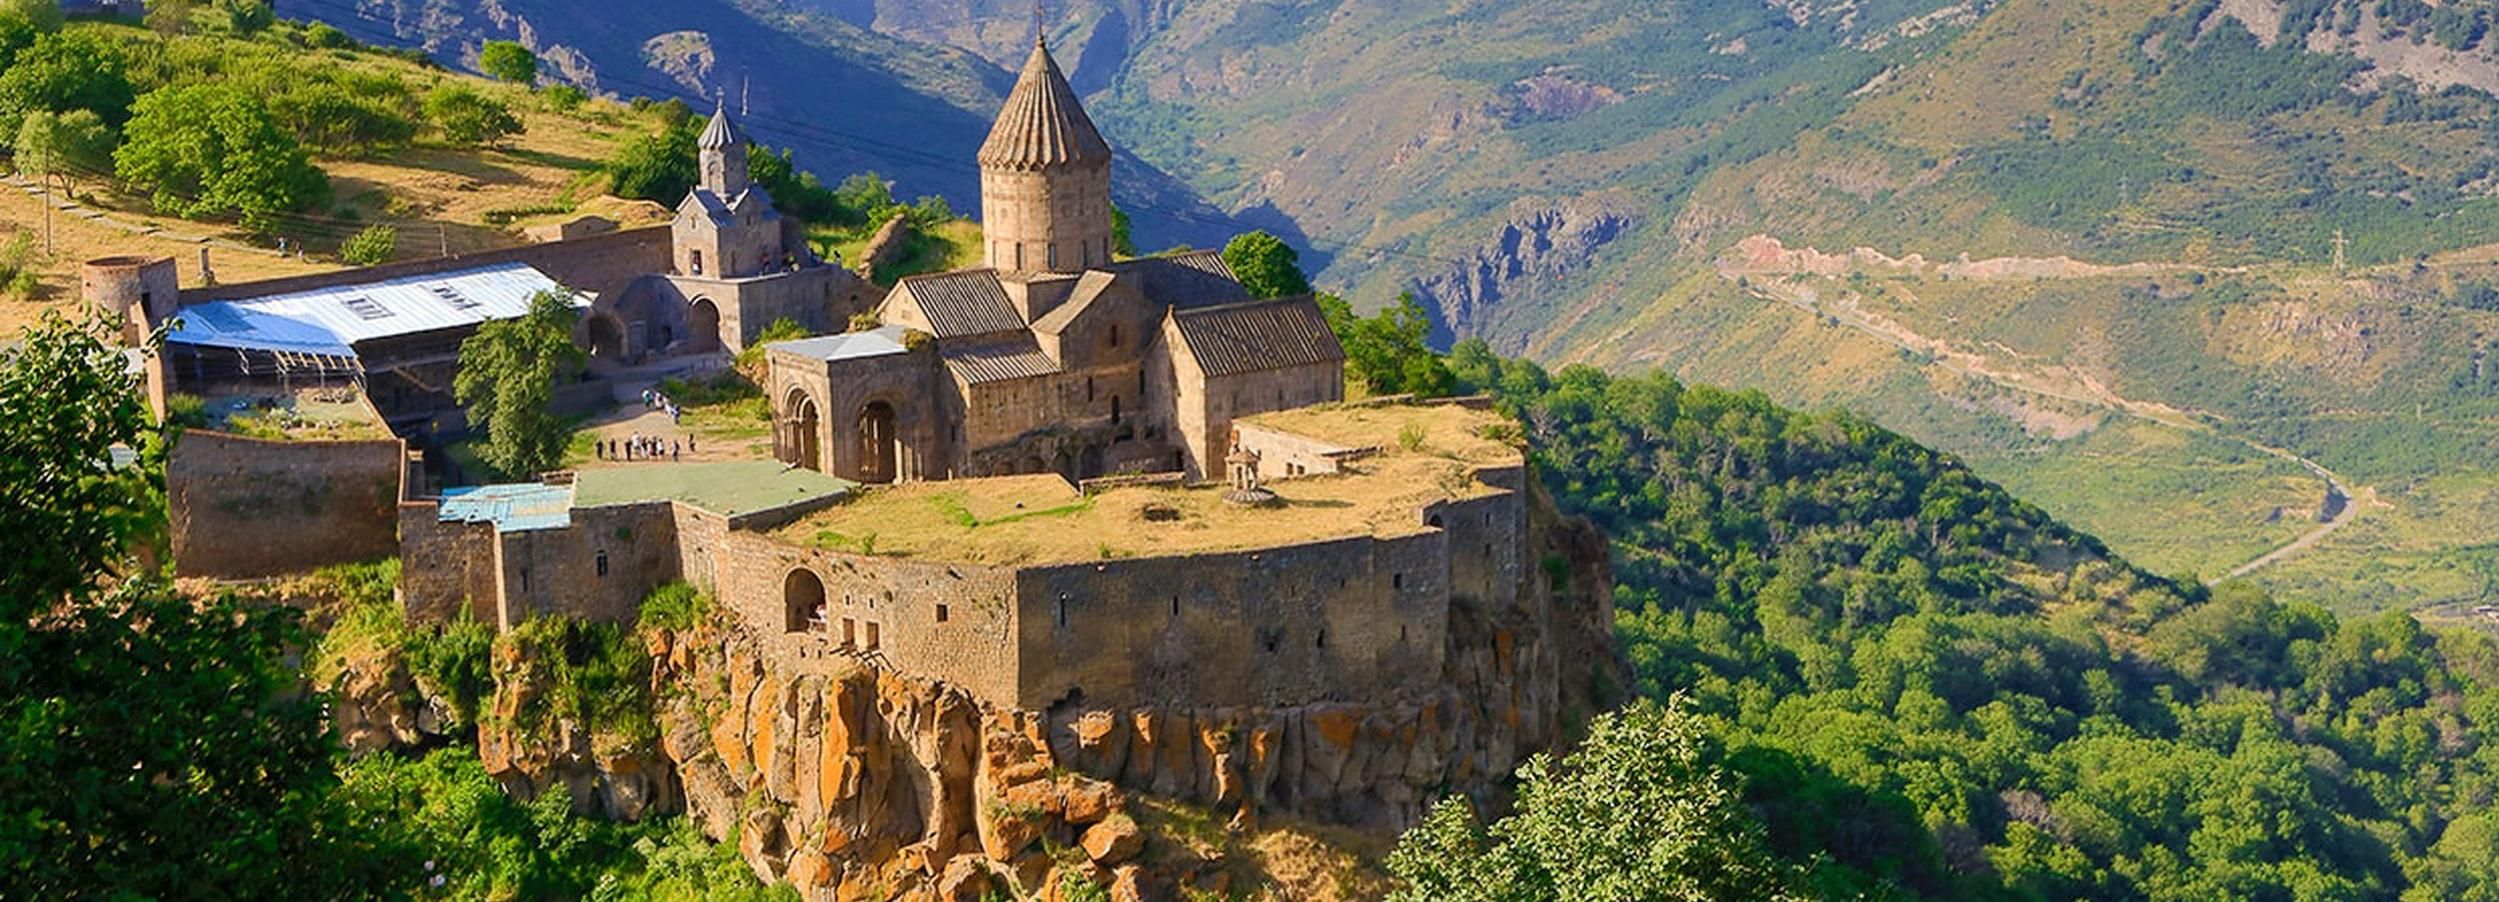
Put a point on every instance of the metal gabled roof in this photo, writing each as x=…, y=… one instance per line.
x=332, y=320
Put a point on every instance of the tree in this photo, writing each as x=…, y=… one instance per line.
x=507, y=378
x=75, y=70
x=1640, y=811
x=1267, y=266
x=169, y=18
x=211, y=150
x=1391, y=351
x=508, y=61
x=372, y=246
x=249, y=17
x=468, y=117
x=658, y=167
x=151, y=745
x=64, y=147
x=41, y=15
x=1123, y=233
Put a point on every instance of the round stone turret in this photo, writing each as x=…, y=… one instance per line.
x=1045, y=178
x=117, y=284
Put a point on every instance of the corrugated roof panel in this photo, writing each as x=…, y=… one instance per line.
x=878, y=342
x=1260, y=335
x=1000, y=361
x=970, y=302
x=516, y=507
x=331, y=320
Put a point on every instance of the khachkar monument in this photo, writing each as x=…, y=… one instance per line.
x=1045, y=178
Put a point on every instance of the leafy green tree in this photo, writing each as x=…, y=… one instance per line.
x=507, y=379
x=1638, y=811
x=470, y=118
x=1267, y=266
x=1123, y=233
x=74, y=70
x=372, y=246
x=327, y=37
x=248, y=17
x=1389, y=351
x=40, y=15
x=64, y=147
x=151, y=745
x=508, y=61
x=169, y=18
x=211, y=150
x=659, y=167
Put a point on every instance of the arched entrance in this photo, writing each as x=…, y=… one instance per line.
x=877, y=441
x=704, y=331
x=802, y=597
x=607, y=339
x=802, y=445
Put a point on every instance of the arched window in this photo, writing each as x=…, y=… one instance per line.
x=698, y=262
x=802, y=600
x=1114, y=335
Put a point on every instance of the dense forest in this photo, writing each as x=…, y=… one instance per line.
x=1922, y=687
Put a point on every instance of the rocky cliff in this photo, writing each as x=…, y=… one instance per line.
x=849, y=783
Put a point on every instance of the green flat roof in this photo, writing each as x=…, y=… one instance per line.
x=731, y=488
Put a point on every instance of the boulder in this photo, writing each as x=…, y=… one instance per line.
x=1113, y=841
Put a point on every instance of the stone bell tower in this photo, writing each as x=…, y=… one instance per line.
x=1045, y=178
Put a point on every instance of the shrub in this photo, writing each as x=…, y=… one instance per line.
x=564, y=98
x=323, y=36
x=675, y=606
x=455, y=663
x=186, y=411
x=470, y=118
x=370, y=247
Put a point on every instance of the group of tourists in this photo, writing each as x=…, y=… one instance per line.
x=653, y=400
x=644, y=447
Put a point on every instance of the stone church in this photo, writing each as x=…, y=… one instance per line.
x=1054, y=357
x=735, y=266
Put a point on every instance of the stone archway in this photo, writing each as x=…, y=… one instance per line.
x=703, y=327
x=802, y=601
x=879, y=444
x=803, y=447
x=607, y=338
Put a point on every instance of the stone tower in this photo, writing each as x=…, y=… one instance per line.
x=1045, y=178
x=724, y=156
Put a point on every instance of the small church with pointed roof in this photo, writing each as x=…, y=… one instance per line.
x=1055, y=357
x=736, y=266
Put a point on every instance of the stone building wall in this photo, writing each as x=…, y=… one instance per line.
x=245, y=508
x=1277, y=626
x=955, y=622
x=1285, y=455
x=598, y=569
x=842, y=390
x=820, y=299
x=445, y=569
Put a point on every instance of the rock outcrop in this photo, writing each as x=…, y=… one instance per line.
x=848, y=782
x=1541, y=242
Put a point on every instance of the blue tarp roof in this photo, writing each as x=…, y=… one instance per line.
x=331, y=320
x=519, y=507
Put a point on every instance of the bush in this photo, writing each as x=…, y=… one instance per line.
x=370, y=247
x=249, y=17
x=186, y=411
x=564, y=98
x=325, y=37
x=470, y=118
x=455, y=664
x=675, y=606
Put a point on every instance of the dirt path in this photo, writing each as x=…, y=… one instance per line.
x=2071, y=387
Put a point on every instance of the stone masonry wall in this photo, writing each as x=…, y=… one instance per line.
x=444, y=568
x=1351, y=618
x=599, y=569
x=245, y=508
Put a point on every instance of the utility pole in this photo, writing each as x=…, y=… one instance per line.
x=2341, y=245
x=442, y=236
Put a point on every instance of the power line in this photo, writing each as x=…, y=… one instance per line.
x=904, y=153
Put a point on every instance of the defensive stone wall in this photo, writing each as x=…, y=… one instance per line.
x=243, y=508
x=598, y=569
x=598, y=264
x=1276, y=626
x=445, y=569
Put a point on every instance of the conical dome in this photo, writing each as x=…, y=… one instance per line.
x=720, y=134
x=1043, y=126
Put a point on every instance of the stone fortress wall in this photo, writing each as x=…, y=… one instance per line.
x=246, y=508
